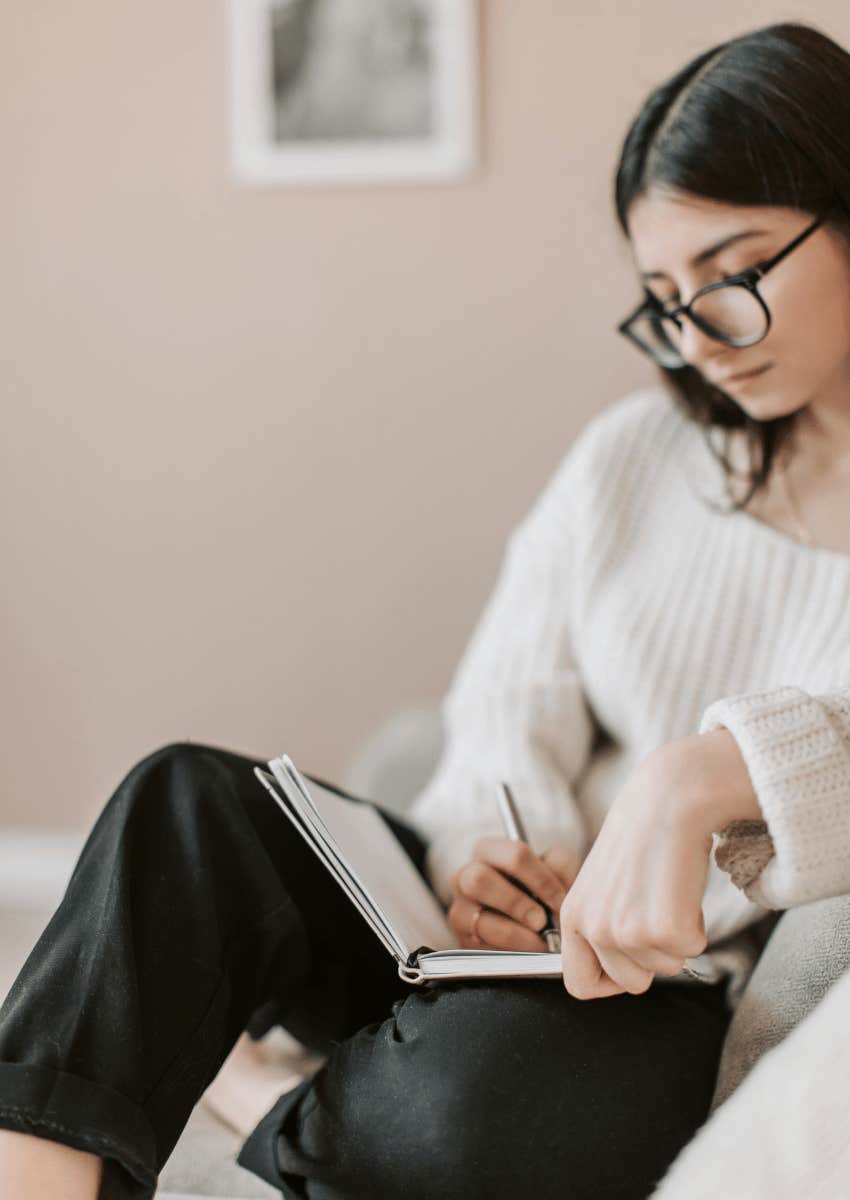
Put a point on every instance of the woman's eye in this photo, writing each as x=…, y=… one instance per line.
x=674, y=300
x=747, y=267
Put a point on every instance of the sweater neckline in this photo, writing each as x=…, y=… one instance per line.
x=756, y=524
x=786, y=539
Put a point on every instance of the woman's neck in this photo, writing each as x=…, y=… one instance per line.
x=817, y=511
x=820, y=440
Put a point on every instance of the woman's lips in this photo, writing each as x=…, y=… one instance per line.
x=744, y=376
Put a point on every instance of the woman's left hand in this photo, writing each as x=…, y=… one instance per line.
x=635, y=908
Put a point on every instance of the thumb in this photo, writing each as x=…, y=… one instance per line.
x=565, y=862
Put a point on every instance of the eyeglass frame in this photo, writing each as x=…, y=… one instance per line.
x=748, y=279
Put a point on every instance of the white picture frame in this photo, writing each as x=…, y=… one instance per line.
x=277, y=109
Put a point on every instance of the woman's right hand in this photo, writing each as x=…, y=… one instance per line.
x=509, y=919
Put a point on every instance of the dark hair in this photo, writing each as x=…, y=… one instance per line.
x=761, y=119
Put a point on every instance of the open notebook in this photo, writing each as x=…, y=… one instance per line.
x=360, y=851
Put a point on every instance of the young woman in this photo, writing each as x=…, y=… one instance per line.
x=654, y=666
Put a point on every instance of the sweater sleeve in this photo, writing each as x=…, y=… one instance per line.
x=515, y=709
x=796, y=747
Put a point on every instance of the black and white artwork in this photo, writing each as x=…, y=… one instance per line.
x=348, y=91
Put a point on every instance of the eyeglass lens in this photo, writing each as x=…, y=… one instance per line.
x=731, y=313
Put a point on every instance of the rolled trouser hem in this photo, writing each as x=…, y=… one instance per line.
x=265, y=1152
x=86, y=1116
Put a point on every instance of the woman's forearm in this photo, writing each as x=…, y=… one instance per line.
x=708, y=773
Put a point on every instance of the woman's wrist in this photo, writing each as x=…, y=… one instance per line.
x=709, y=778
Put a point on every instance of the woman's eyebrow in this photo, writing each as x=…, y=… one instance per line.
x=709, y=251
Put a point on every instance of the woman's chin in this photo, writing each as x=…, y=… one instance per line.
x=768, y=405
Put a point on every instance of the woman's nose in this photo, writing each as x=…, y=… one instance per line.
x=695, y=346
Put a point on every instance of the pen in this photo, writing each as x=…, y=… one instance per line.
x=515, y=830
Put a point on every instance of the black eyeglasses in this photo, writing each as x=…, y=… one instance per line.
x=730, y=310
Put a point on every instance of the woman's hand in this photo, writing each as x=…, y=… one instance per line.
x=635, y=908
x=489, y=911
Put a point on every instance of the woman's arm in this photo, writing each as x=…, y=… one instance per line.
x=516, y=710
x=774, y=762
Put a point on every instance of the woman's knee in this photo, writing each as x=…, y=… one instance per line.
x=179, y=782
x=483, y=1089
x=185, y=762
x=175, y=817
x=426, y=1103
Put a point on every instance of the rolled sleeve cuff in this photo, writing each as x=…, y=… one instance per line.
x=799, y=765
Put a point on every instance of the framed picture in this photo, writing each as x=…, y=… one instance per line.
x=352, y=91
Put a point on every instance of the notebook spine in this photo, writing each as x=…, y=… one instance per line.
x=410, y=971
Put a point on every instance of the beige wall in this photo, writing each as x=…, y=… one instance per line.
x=199, y=377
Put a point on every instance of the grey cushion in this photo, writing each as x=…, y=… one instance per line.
x=394, y=765
x=806, y=952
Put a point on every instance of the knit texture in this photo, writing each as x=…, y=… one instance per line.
x=628, y=613
x=797, y=750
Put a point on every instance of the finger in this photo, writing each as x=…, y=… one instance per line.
x=504, y=934
x=519, y=860
x=584, y=976
x=493, y=930
x=479, y=881
x=669, y=967
x=565, y=862
x=461, y=916
x=652, y=958
x=645, y=944
x=619, y=967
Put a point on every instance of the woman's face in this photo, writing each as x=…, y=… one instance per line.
x=807, y=348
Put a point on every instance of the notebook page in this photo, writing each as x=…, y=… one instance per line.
x=392, y=881
x=340, y=872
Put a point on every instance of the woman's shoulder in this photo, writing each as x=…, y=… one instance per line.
x=634, y=451
x=618, y=452
x=625, y=439
x=640, y=414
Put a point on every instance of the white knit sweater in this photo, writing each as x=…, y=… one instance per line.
x=627, y=614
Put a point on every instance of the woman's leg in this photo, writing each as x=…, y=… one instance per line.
x=492, y=1090
x=32, y=1168
x=194, y=911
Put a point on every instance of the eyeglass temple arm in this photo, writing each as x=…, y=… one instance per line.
x=792, y=245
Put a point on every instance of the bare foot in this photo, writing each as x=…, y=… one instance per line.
x=253, y=1076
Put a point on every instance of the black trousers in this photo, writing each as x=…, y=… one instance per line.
x=196, y=911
